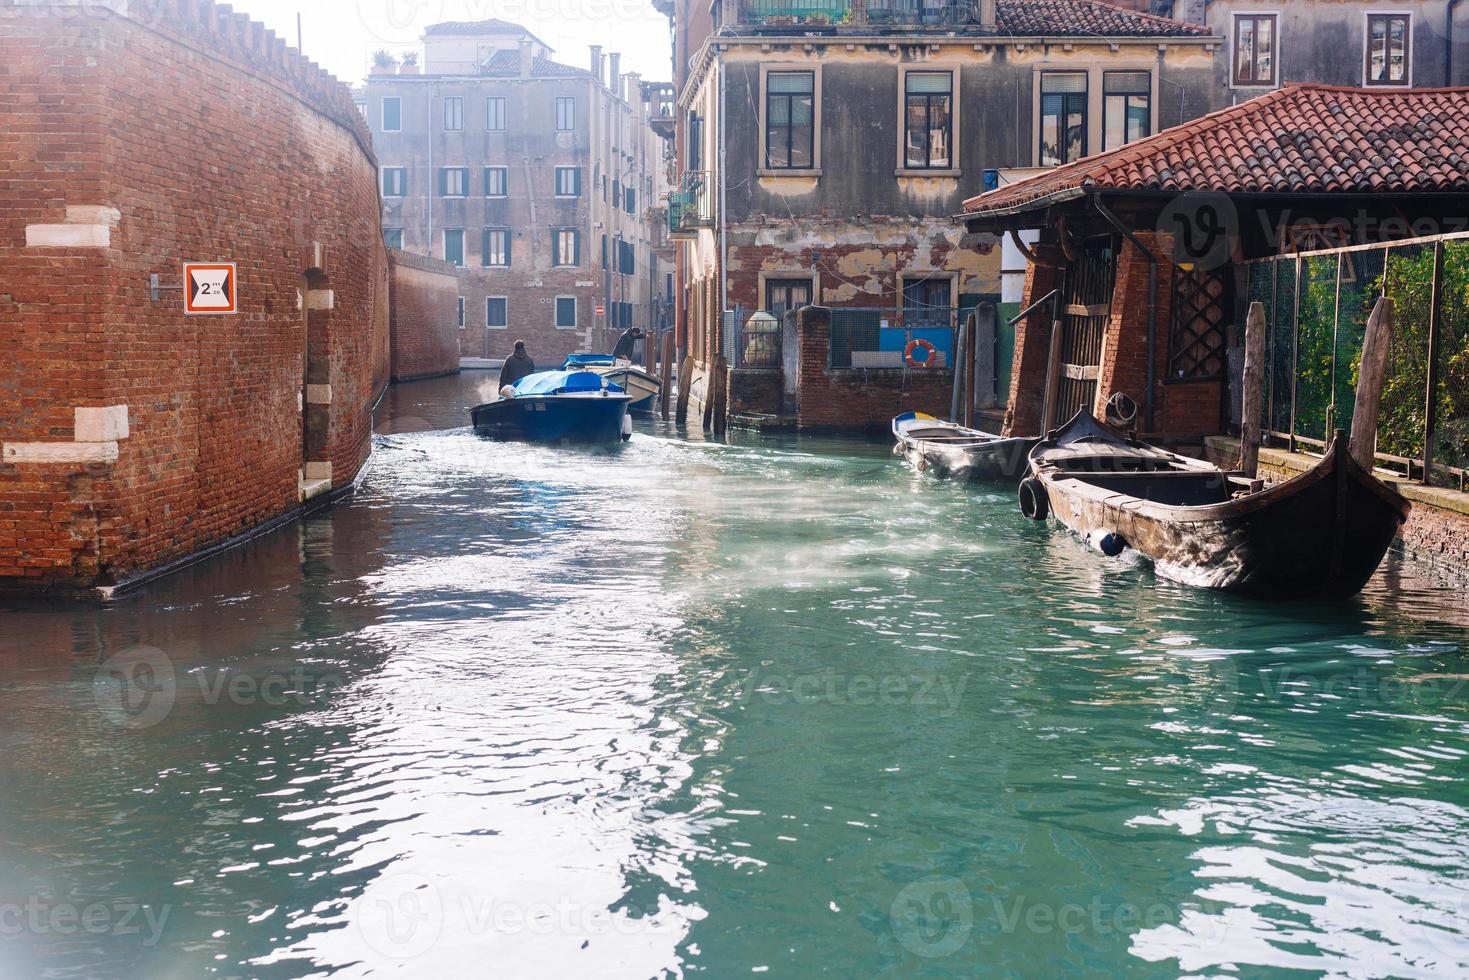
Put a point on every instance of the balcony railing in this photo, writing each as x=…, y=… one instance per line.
x=691, y=205
x=865, y=15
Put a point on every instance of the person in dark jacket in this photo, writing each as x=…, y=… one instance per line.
x=626, y=343
x=517, y=365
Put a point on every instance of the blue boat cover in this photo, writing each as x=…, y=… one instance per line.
x=561, y=382
x=587, y=360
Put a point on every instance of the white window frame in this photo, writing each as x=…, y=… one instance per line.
x=556, y=234
x=403, y=171
x=556, y=108
x=484, y=259
x=1367, y=16
x=556, y=312
x=1096, y=72
x=816, y=119
x=556, y=182
x=504, y=112
x=501, y=326
x=505, y=182
x=444, y=182
x=1234, y=17
x=447, y=100
x=383, y=113
x=955, y=74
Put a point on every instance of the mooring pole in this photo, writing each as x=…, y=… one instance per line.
x=971, y=330
x=1252, y=395
x=956, y=398
x=1375, y=347
x=1053, y=380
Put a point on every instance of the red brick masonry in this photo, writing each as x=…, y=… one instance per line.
x=130, y=143
x=425, y=316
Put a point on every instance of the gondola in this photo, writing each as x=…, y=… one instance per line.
x=948, y=449
x=576, y=407
x=641, y=385
x=1320, y=535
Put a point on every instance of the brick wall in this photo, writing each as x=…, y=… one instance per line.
x=128, y=145
x=755, y=391
x=425, y=316
x=851, y=399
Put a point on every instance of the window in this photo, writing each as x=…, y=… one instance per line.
x=393, y=237
x=392, y=115
x=566, y=247
x=617, y=193
x=927, y=123
x=566, y=312
x=454, y=246
x=495, y=247
x=568, y=181
x=497, y=312
x=565, y=113
x=495, y=114
x=1255, y=43
x=926, y=301
x=695, y=156
x=1389, y=47
x=461, y=313
x=497, y=181
x=395, y=181
x=362, y=108
x=453, y=181
x=790, y=130
x=626, y=258
x=782, y=295
x=1127, y=107
x=453, y=114
x=631, y=206
x=1063, y=117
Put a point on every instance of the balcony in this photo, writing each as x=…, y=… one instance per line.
x=691, y=206
x=662, y=102
x=838, y=16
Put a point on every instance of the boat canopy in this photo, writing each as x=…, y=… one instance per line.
x=562, y=382
x=588, y=360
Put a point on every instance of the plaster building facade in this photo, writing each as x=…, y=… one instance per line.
x=538, y=180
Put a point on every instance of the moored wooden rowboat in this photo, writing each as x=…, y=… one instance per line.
x=1320, y=535
x=949, y=449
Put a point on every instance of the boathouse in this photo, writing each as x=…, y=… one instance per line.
x=1313, y=201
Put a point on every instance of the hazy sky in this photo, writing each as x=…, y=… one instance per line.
x=340, y=35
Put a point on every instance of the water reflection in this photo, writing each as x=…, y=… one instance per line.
x=704, y=707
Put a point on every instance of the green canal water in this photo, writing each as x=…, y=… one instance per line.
x=761, y=706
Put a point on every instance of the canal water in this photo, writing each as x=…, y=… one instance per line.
x=694, y=707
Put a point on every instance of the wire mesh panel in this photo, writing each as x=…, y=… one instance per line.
x=1316, y=355
x=1450, y=437
x=1283, y=347
x=1361, y=284
x=759, y=342
x=881, y=338
x=1408, y=281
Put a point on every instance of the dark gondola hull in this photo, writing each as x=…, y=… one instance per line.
x=557, y=419
x=1321, y=535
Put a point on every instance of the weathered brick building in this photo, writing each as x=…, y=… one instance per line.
x=424, y=298
x=135, y=136
x=538, y=180
x=825, y=147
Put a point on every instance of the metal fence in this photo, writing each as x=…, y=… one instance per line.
x=752, y=339
x=1317, y=304
x=882, y=338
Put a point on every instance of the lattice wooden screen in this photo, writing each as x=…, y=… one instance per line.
x=1200, y=319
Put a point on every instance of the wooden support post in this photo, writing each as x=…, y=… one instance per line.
x=1053, y=381
x=971, y=332
x=1252, y=400
x=1375, y=347
x=667, y=378
x=956, y=399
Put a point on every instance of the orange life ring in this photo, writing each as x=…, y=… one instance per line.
x=915, y=344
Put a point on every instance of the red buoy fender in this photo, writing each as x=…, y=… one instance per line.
x=918, y=343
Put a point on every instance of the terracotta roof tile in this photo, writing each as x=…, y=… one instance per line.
x=1300, y=139
x=506, y=64
x=1085, y=18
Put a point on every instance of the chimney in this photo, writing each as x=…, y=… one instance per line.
x=987, y=16
x=527, y=57
x=614, y=78
x=597, y=63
